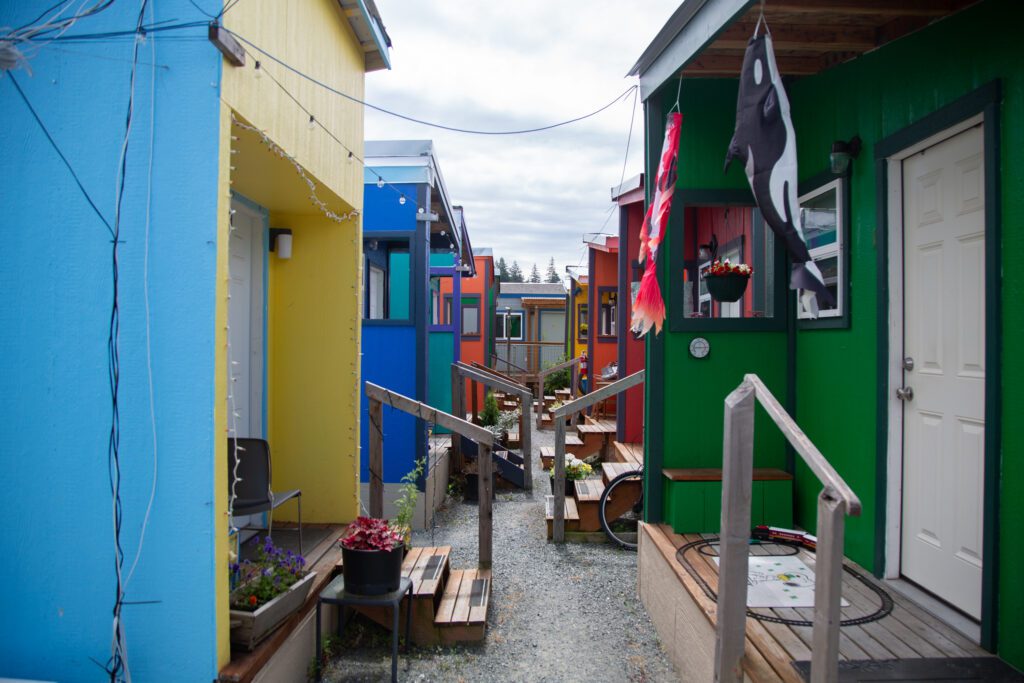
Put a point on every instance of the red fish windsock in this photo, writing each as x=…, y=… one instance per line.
x=649, y=307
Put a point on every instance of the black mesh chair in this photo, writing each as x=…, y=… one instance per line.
x=253, y=492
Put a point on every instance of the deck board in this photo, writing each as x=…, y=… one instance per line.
x=909, y=632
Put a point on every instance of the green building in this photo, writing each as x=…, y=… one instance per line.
x=918, y=237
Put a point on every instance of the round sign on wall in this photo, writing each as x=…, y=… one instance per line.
x=699, y=347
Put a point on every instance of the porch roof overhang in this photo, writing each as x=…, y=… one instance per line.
x=364, y=18
x=707, y=38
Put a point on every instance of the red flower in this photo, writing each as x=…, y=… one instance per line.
x=253, y=600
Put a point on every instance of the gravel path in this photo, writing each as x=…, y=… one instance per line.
x=558, y=612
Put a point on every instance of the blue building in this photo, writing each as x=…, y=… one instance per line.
x=124, y=363
x=417, y=251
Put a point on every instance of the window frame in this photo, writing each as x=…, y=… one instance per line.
x=402, y=241
x=613, y=306
x=813, y=187
x=471, y=302
x=501, y=331
x=582, y=318
x=677, y=314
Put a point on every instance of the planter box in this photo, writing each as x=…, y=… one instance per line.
x=372, y=572
x=249, y=628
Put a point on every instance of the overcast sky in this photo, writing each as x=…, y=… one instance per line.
x=505, y=66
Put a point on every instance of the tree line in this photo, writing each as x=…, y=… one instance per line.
x=513, y=273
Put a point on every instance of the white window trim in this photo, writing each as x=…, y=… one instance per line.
x=371, y=292
x=504, y=326
x=836, y=249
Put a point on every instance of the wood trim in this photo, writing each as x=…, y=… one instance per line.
x=424, y=412
x=715, y=474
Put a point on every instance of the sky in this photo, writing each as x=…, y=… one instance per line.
x=507, y=66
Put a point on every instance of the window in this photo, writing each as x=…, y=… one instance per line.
x=509, y=326
x=375, y=293
x=582, y=321
x=821, y=213
x=386, y=281
x=608, y=308
x=470, y=317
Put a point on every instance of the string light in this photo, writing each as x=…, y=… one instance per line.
x=380, y=182
x=312, y=122
x=276, y=149
x=401, y=199
x=258, y=73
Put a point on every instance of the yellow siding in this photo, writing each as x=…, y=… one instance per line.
x=314, y=367
x=315, y=38
x=313, y=315
x=220, y=421
x=579, y=345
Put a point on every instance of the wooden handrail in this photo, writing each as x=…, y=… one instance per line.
x=836, y=500
x=460, y=370
x=560, y=414
x=601, y=394
x=378, y=396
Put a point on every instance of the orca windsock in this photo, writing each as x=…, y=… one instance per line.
x=764, y=140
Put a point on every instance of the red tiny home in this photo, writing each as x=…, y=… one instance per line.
x=630, y=350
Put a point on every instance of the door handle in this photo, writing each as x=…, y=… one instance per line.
x=905, y=393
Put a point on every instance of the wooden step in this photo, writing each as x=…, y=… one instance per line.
x=547, y=457
x=629, y=453
x=572, y=440
x=610, y=470
x=597, y=426
x=588, y=499
x=572, y=515
x=428, y=568
x=462, y=612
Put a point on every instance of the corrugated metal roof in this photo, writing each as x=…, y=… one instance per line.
x=531, y=288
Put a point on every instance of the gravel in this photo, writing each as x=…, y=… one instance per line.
x=565, y=612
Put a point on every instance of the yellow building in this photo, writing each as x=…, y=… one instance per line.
x=578, y=316
x=290, y=252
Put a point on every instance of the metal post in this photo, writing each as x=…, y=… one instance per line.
x=508, y=340
x=828, y=582
x=459, y=410
x=558, y=521
x=737, y=475
x=376, y=458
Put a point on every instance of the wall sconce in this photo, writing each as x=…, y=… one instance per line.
x=281, y=242
x=842, y=153
x=708, y=251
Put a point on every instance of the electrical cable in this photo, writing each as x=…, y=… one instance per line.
x=118, y=668
x=63, y=158
x=412, y=119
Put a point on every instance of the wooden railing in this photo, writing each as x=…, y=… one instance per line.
x=488, y=378
x=528, y=357
x=378, y=396
x=834, y=503
x=560, y=414
x=572, y=363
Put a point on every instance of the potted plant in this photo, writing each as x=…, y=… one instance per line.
x=574, y=469
x=727, y=281
x=372, y=553
x=267, y=591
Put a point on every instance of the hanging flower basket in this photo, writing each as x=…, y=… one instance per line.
x=727, y=282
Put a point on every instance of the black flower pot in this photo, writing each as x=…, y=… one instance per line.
x=570, y=488
x=372, y=572
x=729, y=287
x=471, y=493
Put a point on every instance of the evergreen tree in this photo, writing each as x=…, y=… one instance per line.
x=501, y=270
x=534, y=274
x=552, y=274
x=515, y=274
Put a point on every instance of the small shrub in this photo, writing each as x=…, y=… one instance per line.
x=489, y=416
x=556, y=380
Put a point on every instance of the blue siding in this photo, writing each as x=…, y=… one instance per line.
x=382, y=210
x=58, y=555
x=389, y=360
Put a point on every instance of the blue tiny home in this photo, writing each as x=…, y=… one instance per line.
x=416, y=252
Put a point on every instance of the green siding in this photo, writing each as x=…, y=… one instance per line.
x=439, y=372
x=874, y=96
x=398, y=286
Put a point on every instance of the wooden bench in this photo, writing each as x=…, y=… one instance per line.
x=694, y=499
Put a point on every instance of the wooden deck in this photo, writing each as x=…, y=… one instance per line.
x=685, y=618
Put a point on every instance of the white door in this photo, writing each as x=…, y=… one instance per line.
x=245, y=323
x=944, y=334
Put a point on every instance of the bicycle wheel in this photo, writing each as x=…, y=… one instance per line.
x=622, y=509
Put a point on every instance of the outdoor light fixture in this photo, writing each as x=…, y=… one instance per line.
x=842, y=153
x=708, y=251
x=281, y=242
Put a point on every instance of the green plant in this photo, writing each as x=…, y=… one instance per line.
x=574, y=468
x=558, y=379
x=271, y=574
x=370, y=533
x=489, y=416
x=406, y=503
x=508, y=419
